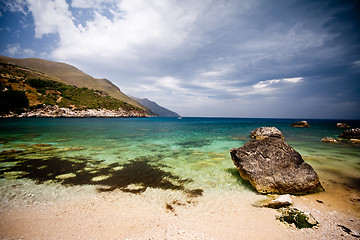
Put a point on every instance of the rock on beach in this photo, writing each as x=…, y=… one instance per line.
x=273, y=166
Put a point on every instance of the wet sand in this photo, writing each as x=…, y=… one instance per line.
x=30, y=211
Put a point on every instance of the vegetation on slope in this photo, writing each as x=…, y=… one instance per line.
x=22, y=88
x=68, y=74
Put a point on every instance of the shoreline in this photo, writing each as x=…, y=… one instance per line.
x=48, y=111
x=31, y=211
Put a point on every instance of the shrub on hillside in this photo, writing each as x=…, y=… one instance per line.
x=13, y=100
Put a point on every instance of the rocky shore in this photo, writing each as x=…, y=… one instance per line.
x=48, y=111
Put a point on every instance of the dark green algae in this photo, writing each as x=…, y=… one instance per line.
x=42, y=163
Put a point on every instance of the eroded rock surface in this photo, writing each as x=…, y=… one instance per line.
x=273, y=166
x=264, y=132
x=353, y=133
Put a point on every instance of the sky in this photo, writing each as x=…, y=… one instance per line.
x=209, y=58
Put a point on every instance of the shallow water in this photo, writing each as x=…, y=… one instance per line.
x=190, y=155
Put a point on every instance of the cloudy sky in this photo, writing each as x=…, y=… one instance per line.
x=248, y=58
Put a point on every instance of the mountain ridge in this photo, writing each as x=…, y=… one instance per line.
x=69, y=74
x=28, y=93
x=156, y=108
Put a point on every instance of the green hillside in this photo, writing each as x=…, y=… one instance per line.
x=70, y=75
x=24, y=88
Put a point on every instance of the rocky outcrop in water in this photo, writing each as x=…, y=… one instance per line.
x=302, y=124
x=329, y=140
x=353, y=133
x=342, y=125
x=273, y=166
x=264, y=132
x=48, y=111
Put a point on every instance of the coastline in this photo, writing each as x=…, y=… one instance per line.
x=80, y=212
x=48, y=111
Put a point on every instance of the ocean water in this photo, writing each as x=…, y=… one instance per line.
x=189, y=155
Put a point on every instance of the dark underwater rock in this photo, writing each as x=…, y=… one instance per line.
x=300, y=124
x=273, y=166
x=264, y=132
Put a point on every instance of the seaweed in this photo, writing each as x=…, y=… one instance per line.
x=299, y=218
x=134, y=177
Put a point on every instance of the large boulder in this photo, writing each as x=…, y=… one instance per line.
x=273, y=166
x=300, y=124
x=351, y=133
x=264, y=132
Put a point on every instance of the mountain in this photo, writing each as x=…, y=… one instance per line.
x=68, y=74
x=155, y=108
x=34, y=93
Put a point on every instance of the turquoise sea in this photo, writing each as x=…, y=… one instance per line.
x=132, y=154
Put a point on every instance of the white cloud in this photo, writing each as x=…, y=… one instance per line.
x=274, y=82
x=293, y=80
x=15, y=49
x=51, y=16
x=138, y=29
x=14, y=5
x=98, y=4
x=267, y=83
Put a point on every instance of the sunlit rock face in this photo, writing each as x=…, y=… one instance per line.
x=264, y=132
x=273, y=166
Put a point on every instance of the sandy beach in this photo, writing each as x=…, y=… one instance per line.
x=83, y=213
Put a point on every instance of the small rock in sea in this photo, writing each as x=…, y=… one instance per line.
x=300, y=124
x=329, y=140
x=342, y=125
x=264, y=132
x=295, y=216
x=354, y=141
x=279, y=202
x=353, y=133
x=273, y=166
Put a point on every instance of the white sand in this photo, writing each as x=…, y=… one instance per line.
x=30, y=211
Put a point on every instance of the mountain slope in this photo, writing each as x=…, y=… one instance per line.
x=70, y=75
x=22, y=89
x=155, y=108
